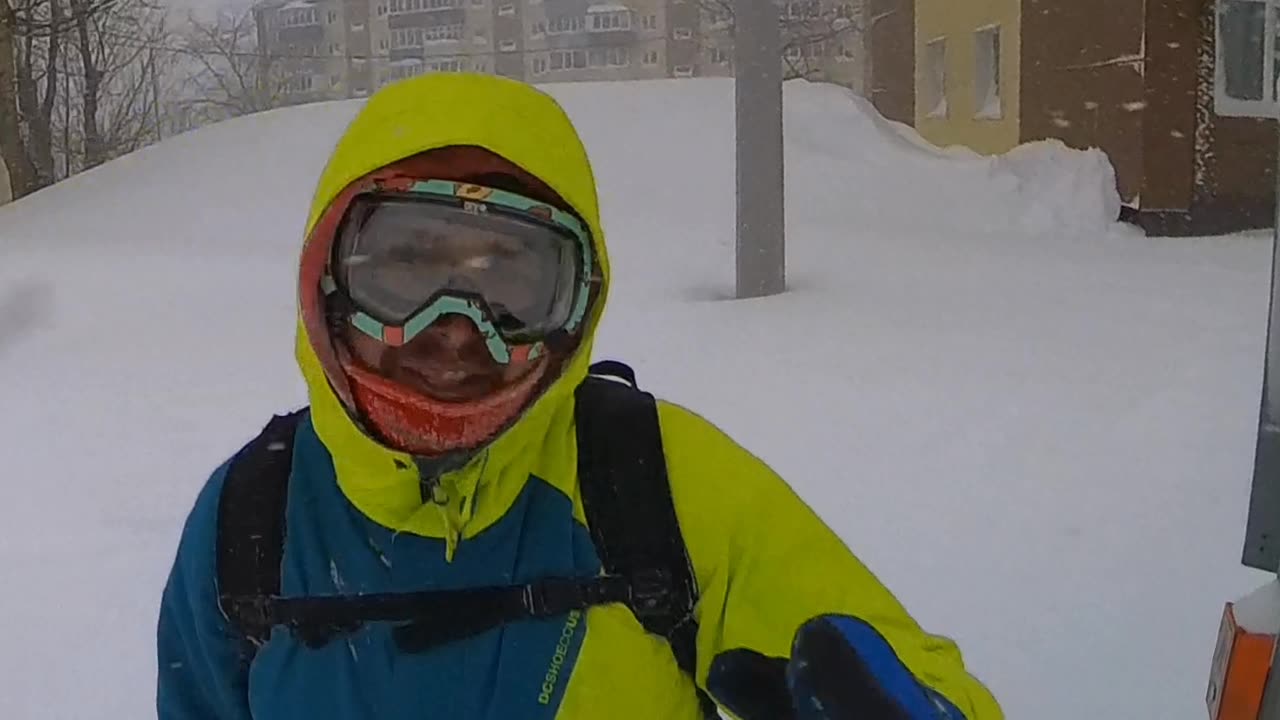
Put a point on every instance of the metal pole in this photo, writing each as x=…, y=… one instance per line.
x=1263, y=474
x=761, y=260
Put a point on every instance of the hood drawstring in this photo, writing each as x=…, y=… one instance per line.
x=453, y=501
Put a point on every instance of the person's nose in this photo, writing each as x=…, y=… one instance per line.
x=454, y=332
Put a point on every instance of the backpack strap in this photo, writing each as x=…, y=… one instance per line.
x=626, y=495
x=251, y=527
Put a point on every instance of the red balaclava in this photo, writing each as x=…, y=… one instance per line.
x=398, y=414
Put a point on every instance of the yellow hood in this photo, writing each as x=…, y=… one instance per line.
x=529, y=129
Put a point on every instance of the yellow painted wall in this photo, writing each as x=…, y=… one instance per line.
x=958, y=21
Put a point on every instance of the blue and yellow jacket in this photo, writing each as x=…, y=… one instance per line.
x=763, y=561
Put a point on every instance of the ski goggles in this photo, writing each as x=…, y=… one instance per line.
x=518, y=268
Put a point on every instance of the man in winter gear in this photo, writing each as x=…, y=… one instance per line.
x=452, y=277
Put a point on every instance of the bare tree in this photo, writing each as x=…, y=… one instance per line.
x=36, y=36
x=810, y=29
x=119, y=103
x=38, y=74
x=22, y=172
x=232, y=76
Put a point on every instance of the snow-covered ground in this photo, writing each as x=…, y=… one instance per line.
x=1035, y=425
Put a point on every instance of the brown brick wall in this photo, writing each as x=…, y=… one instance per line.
x=1082, y=79
x=893, y=58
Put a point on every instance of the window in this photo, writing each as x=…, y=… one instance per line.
x=538, y=29
x=682, y=34
x=382, y=44
x=651, y=57
x=413, y=37
x=334, y=80
x=1247, y=72
x=986, y=74
x=539, y=66
x=568, y=59
x=609, y=57
x=298, y=17
x=404, y=69
x=382, y=10
x=650, y=22
x=408, y=6
x=719, y=17
x=683, y=71
x=507, y=46
x=335, y=49
x=442, y=33
x=566, y=24
x=480, y=38
x=480, y=66
x=333, y=17
x=507, y=10
x=845, y=11
x=719, y=56
x=935, y=79
x=299, y=84
x=610, y=21
x=444, y=65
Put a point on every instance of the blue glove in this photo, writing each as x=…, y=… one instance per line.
x=840, y=669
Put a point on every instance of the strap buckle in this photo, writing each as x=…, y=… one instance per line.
x=651, y=591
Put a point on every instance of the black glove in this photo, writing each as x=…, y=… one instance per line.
x=840, y=669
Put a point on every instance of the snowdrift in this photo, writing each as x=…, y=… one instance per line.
x=654, y=143
x=1036, y=429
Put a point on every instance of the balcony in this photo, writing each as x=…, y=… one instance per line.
x=425, y=13
x=609, y=19
x=405, y=7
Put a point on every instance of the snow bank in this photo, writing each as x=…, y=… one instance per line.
x=1056, y=187
x=903, y=180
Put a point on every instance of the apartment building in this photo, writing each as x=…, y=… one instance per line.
x=823, y=40
x=347, y=48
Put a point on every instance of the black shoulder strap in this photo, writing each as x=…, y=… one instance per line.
x=626, y=495
x=250, y=540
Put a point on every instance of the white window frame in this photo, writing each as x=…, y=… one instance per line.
x=988, y=93
x=507, y=10
x=299, y=17
x=608, y=57
x=682, y=33
x=682, y=71
x=507, y=46
x=570, y=59
x=651, y=58
x=539, y=65
x=940, y=109
x=1228, y=106
x=610, y=21
x=566, y=24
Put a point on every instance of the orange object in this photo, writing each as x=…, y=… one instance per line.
x=1241, y=661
